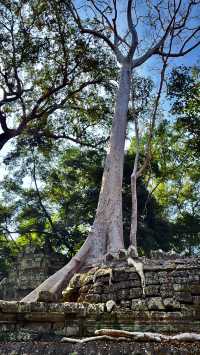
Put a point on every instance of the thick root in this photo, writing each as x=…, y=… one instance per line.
x=51, y=289
x=122, y=335
x=132, y=253
x=87, y=340
x=148, y=336
x=91, y=253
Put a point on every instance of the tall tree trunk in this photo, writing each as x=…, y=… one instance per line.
x=134, y=214
x=107, y=231
x=108, y=226
x=134, y=176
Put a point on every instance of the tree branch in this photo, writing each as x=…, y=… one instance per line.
x=75, y=140
x=132, y=29
x=150, y=135
x=181, y=53
x=160, y=44
x=95, y=33
x=3, y=122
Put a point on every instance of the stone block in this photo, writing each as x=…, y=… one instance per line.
x=96, y=309
x=125, y=304
x=92, y=298
x=139, y=305
x=164, y=277
x=74, y=308
x=170, y=316
x=181, y=280
x=155, y=303
x=132, y=274
x=59, y=327
x=101, y=272
x=8, y=306
x=123, y=294
x=151, y=278
x=120, y=274
x=195, y=290
x=125, y=285
x=180, y=273
x=152, y=290
x=181, y=287
x=171, y=304
x=135, y=293
x=102, y=281
x=183, y=297
x=163, y=274
x=196, y=300
x=38, y=327
x=38, y=307
x=194, y=279
x=109, y=296
x=166, y=291
x=72, y=330
x=44, y=317
x=107, y=288
x=7, y=317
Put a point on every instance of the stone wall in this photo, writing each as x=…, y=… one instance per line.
x=99, y=347
x=29, y=270
x=170, y=302
x=2, y=276
x=110, y=297
x=171, y=286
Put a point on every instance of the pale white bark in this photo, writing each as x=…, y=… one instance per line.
x=139, y=267
x=108, y=226
x=95, y=338
x=148, y=336
x=110, y=199
x=138, y=172
x=134, y=212
x=122, y=335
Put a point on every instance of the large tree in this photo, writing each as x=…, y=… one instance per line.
x=58, y=207
x=165, y=29
x=46, y=71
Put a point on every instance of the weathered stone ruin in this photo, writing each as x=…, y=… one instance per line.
x=29, y=270
x=112, y=297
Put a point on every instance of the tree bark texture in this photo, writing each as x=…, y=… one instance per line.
x=134, y=177
x=108, y=226
x=133, y=231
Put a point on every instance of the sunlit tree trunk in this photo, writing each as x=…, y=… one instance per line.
x=134, y=214
x=107, y=231
x=108, y=227
x=134, y=176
